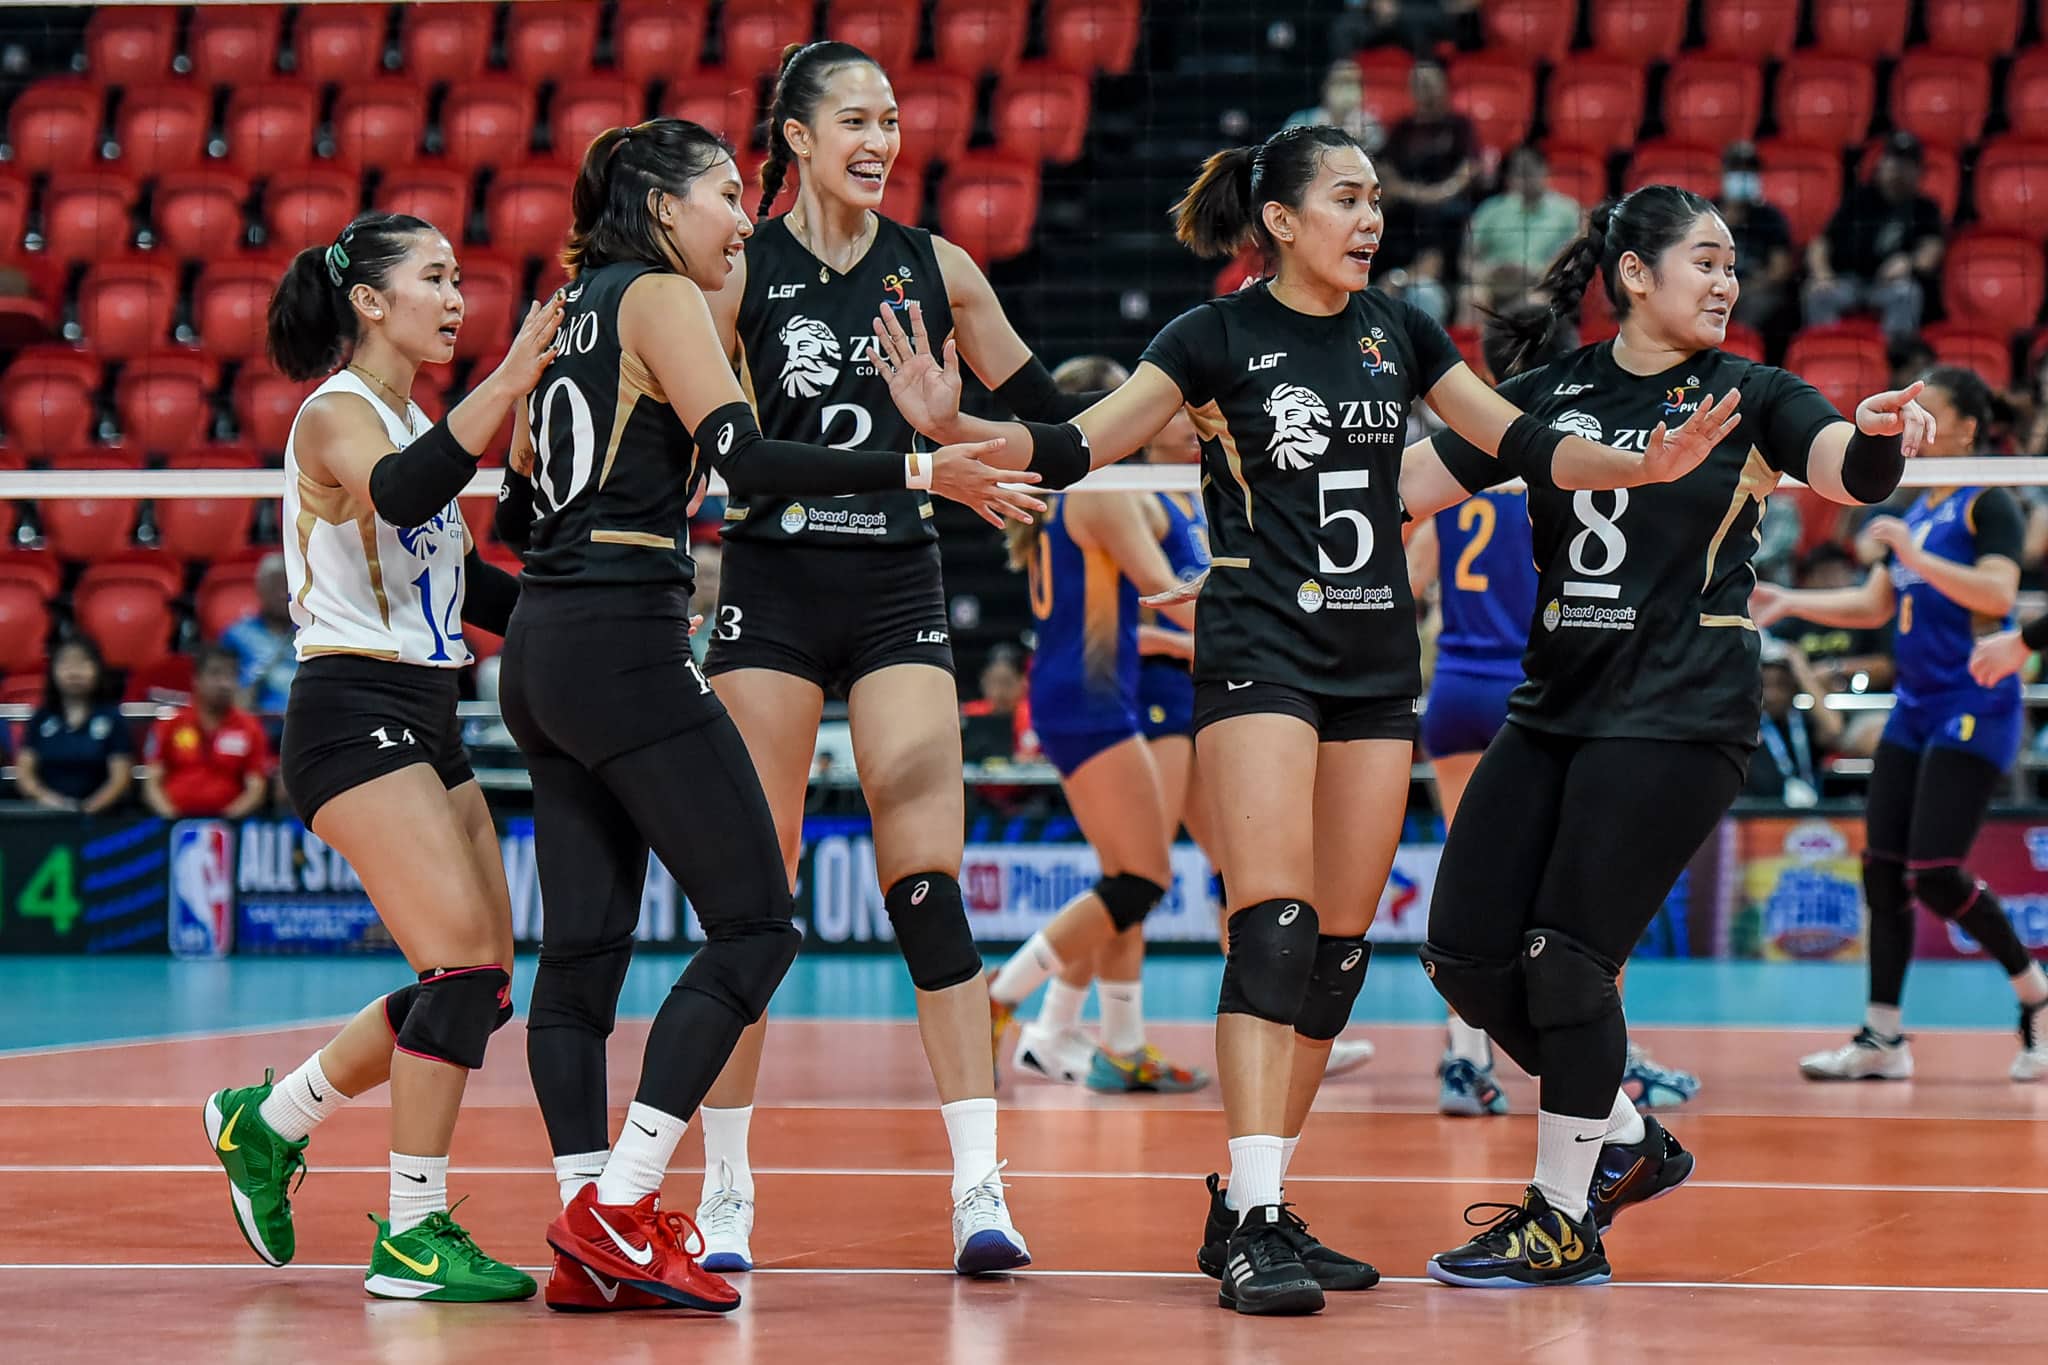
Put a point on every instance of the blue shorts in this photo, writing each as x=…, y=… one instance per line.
x=1987, y=726
x=1166, y=698
x=1067, y=750
x=1466, y=709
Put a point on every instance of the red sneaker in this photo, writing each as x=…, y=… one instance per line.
x=575, y=1288
x=642, y=1246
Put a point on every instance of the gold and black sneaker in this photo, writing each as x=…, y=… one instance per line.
x=1332, y=1269
x=1262, y=1272
x=1524, y=1246
x=1636, y=1172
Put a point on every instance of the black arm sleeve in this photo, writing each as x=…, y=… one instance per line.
x=1476, y=469
x=407, y=487
x=513, y=519
x=1031, y=394
x=1872, y=467
x=1998, y=524
x=2035, y=633
x=731, y=440
x=488, y=594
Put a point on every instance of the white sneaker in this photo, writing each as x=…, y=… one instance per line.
x=984, y=1239
x=1065, y=1056
x=1348, y=1054
x=726, y=1219
x=1866, y=1057
x=2032, y=1063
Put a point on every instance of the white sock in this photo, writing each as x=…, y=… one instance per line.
x=1123, y=1015
x=298, y=1103
x=1062, y=1008
x=1287, y=1146
x=1624, y=1124
x=1883, y=1020
x=419, y=1186
x=725, y=1150
x=639, y=1158
x=575, y=1171
x=1256, y=1163
x=1469, y=1044
x=1026, y=970
x=1567, y=1151
x=971, y=1128
x=2031, y=985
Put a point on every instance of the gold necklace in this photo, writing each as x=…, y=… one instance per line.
x=801, y=231
x=404, y=408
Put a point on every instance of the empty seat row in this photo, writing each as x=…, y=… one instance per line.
x=1642, y=31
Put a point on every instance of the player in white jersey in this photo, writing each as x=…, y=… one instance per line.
x=383, y=575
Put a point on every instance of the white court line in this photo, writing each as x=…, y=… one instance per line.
x=190, y=1036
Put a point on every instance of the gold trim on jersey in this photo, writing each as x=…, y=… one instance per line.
x=924, y=509
x=635, y=381
x=646, y=538
x=388, y=656
x=1209, y=424
x=1707, y=619
x=336, y=506
x=1231, y=562
x=1757, y=481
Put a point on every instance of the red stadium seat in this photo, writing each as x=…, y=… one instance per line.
x=445, y=42
x=551, y=40
x=230, y=304
x=22, y=689
x=1745, y=342
x=1576, y=172
x=207, y=528
x=200, y=214
x=1940, y=99
x=163, y=127
x=723, y=107
x=231, y=44
x=1802, y=182
x=1992, y=282
x=378, y=123
x=1988, y=354
x=55, y=124
x=80, y=530
x=1663, y=162
x=756, y=32
x=658, y=39
x=585, y=108
x=750, y=164
x=1987, y=29
x=487, y=123
x=435, y=193
x=131, y=43
x=47, y=397
x=88, y=215
x=308, y=206
x=1844, y=364
x=32, y=569
x=1040, y=114
x=266, y=403
x=24, y=627
x=2011, y=186
x=124, y=307
x=527, y=210
x=935, y=110
x=1637, y=30
x=340, y=42
x=1713, y=101
x=492, y=301
x=903, y=192
x=973, y=36
x=126, y=611
x=1384, y=70
x=165, y=400
x=100, y=457
x=1754, y=30
x=988, y=206
x=1499, y=96
x=164, y=681
x=271, y=125
x=1537, y=30
x=1595, y=103
x=1086, y=36
x=1863, y=29
x=884, y=29
x=2026, y=94
x=1825, y=101
x=13, y=214
x=226, y=595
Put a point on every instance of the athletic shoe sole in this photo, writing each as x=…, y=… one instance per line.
x=1442, y=1276
x=245, y=1213
x=990, y=1252
x=1293, y=1301
x=1691, y=1170
x=725, y=1262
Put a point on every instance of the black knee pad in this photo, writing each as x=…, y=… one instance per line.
x=454, y=1014
x=397, y=1005
x=1129, y=899
x=1272, y=953
x=751, y=958
x=1945, y=889
x=1333, y=984
x=1884, y=884
x=1568, y=983
x=930, y=921
x=580, y=989
x=1490, y=995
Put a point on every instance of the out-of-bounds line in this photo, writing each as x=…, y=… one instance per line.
x=190, y=1036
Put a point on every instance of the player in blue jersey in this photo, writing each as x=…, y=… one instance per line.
x=1950, y=740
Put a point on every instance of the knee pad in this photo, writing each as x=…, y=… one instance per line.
x=1568, y=983
x=1272, y=953
x=742, y=963
x=1884, y=884
x=1333, y=985
x=580, y=990
x=1489, y=994
x=1945, y=889
x=931, y=931
x=454, y=1014
x=1129, y=899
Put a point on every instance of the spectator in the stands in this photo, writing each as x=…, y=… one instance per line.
x=1418, y=25
x=1343, y=106
x=210, y=758
x=1882, y=249
x=1793, y=742
x=1518, y=232
x=261, y=642
x=1426, y=170
x=1763, y=240
x=76, y=752
x=1843, y=660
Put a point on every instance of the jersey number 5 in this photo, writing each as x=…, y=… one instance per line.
x=1342, y=480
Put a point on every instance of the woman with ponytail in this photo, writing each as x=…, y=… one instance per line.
x=383, y=575
x=1307, y=663
x=1634, y=727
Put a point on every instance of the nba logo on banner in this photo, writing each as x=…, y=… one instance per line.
x=202, y=889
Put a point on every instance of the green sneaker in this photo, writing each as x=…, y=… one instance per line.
x=438, y=1261
x=260, y=1165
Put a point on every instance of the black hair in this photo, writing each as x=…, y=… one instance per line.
x=610, y=217
x=799, y=85
x=1088, y=374
x=1967, y=393
x=1648, y=222
x=1221, y=210
x=311, y=324
x=213, y=652
x=1501, y=347
x=51, y=699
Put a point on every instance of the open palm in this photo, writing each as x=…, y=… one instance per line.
x=925, y=389
x=1673, y=455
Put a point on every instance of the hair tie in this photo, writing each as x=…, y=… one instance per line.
x=337, y=262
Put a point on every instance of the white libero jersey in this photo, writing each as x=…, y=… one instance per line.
x=360, y=585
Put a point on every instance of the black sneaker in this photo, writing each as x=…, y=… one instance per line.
x=1524, y=1246
x=1333, y=1269
x=1262, y=1273
x=1637, y=1172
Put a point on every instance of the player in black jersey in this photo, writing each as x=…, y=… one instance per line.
x=1632, y=730
x=843, y=596
x=1306, y=658
x=627, y=745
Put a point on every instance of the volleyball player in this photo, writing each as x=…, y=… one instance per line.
x=1632, y=733
x=844, y=597
x=628, y=746
x=383, y=574
x=1949, y=742
x=1306, y=657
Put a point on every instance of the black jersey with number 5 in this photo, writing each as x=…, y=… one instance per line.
x=807, y=337
x=1642, y=622
x=1302, y=421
